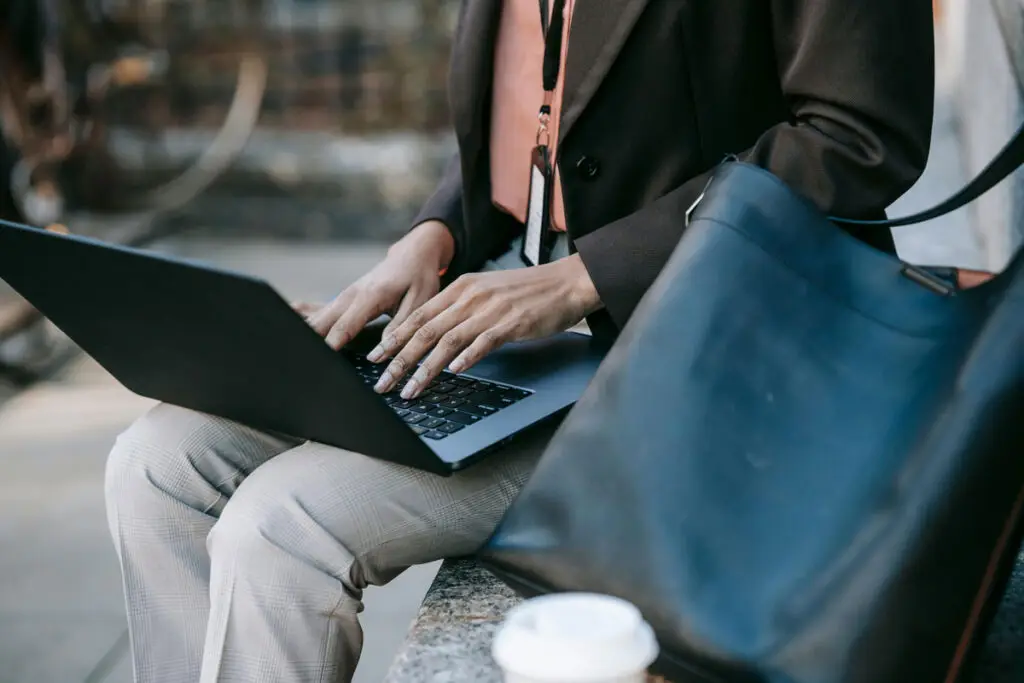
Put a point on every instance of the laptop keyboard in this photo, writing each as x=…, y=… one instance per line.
x=447, y=405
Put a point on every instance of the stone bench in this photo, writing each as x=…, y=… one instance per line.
x=450, y=639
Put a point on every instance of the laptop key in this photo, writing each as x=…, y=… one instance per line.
x=420, y=431
x=437, y=436
x=482, y=411
x=462, y=382
x=413, y=418
x=401, y=413
x=433, y=422
x=464, y=418
x=424, y=408
x=435, y=398
x=489, y=398
x=453, y=403
x=440, y=412
x=450, y=427
x=461, y=393
x=497, y=399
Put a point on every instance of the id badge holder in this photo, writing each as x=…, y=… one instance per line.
x=537, y=243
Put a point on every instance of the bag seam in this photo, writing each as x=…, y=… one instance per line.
x=824, y=290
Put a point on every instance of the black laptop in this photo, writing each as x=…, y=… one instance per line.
x=228, y=344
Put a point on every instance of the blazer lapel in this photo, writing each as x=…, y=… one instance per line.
x=599, y=30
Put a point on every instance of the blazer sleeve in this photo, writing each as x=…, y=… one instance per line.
x=860, y=80
x=445, y=205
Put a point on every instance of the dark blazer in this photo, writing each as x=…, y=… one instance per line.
x=833, y=96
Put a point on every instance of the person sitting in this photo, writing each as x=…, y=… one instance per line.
x=245, y=554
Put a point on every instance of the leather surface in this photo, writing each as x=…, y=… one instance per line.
x=802, y=465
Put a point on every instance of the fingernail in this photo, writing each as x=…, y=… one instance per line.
x=384, y=383
x=457, y=365
x=376, y=355
x=411, y=390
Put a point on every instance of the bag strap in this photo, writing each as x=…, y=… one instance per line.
x=1006, y=162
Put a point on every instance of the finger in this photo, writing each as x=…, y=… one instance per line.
x=410, y=303
x=418, y=345
x=402, y=334
x=354, y=319
x=305, y=308
x=486, y=342
x=324, y=319
x=448, y=347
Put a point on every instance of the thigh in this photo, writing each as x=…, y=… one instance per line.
x=366, y=520
x=197, y=459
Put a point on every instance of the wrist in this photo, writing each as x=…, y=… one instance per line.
x=433, y=241
x=581, y=286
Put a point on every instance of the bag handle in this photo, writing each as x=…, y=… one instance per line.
x=1009, y=159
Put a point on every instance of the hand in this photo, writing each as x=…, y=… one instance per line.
x=306, y=309
x=480, y=312
x=406, y=278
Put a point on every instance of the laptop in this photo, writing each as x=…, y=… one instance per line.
x=227, y=344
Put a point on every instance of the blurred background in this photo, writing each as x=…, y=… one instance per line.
x=294, y=140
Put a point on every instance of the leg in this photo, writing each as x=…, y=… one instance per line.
x=309, y=530
x=168, y=479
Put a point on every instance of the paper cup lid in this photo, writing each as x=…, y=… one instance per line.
x=575, y=637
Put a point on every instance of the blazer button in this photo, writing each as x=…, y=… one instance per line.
x=588, y=167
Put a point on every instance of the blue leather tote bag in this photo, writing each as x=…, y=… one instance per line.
x=803, y=459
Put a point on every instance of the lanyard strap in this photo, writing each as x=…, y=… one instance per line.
x=553, y=29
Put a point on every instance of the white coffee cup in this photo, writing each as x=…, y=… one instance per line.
x=575, y=638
